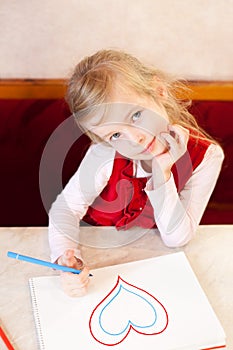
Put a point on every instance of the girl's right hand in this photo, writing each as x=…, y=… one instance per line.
x=175, y=142
x=74, y=285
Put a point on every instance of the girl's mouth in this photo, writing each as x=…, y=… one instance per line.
x=150, y=146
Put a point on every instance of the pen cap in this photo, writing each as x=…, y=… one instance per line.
x=12, y=255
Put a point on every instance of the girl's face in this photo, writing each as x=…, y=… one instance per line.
x=130, y=124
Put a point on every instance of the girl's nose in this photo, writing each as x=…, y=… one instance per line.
x=136, y=135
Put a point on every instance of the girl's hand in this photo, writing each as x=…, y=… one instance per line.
x=74, y=285
x=175, y=142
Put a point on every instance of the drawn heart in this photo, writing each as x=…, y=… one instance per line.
x=126, y=308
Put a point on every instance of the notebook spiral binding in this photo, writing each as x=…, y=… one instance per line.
x=36, y=315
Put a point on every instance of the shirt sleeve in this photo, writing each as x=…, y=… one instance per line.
x=177, y=215
x=72, y=203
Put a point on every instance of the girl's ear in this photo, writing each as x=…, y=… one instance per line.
x=160, y=88
x=162, y=92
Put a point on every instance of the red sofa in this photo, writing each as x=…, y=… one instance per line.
x=27, y=124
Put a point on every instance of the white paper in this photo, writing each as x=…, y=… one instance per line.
x=167, y=310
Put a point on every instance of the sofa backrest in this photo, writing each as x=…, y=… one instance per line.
x=28, y=125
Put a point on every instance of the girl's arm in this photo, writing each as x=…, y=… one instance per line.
x=178, y=215
x=72, y=204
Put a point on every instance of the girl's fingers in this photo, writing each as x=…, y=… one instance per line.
x=170, y=141
x=77, y=278
x=75, y=285
x=68, y=259
x=81, y=279
x=176, y=140
x=74, y=293
x=176, y=135
x=179, y=133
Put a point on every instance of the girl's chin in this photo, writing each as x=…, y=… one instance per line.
x=156, y=152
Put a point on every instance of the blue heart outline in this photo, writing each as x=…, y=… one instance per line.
x=129, y=322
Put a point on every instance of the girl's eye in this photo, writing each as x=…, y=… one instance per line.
x=136, y=116
x=115, y=136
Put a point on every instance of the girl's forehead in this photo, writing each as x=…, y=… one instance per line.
x=109, y=112
x=121, y=92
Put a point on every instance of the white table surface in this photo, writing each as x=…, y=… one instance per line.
x=210, y=254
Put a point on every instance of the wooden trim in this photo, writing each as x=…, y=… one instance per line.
x=55, y=88
x=211, y=91
x=33, y=88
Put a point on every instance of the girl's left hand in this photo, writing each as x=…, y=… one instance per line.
x=175, y=141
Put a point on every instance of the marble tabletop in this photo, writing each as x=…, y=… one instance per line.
x=209, y=253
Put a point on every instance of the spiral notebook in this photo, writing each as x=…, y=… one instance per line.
x=155, y=303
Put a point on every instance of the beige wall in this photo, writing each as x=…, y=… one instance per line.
x=45, y=38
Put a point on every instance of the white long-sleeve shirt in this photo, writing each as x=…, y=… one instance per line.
x=177, y=215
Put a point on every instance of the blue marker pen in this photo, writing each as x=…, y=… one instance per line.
x=43, y=263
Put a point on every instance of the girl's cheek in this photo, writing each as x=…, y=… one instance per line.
x=155, y=123
x=124, y=147
x=161, y=125
x=117, y=145
x=160, y=147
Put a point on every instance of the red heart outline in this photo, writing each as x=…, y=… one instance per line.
x=130, y=327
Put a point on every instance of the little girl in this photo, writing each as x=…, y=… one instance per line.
x=149, y=165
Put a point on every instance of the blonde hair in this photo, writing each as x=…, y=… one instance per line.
x=93, y=79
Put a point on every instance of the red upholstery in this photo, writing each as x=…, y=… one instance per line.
x=27, y=125
x=216, y=117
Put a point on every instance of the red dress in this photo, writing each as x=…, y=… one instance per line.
x=124, y=203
